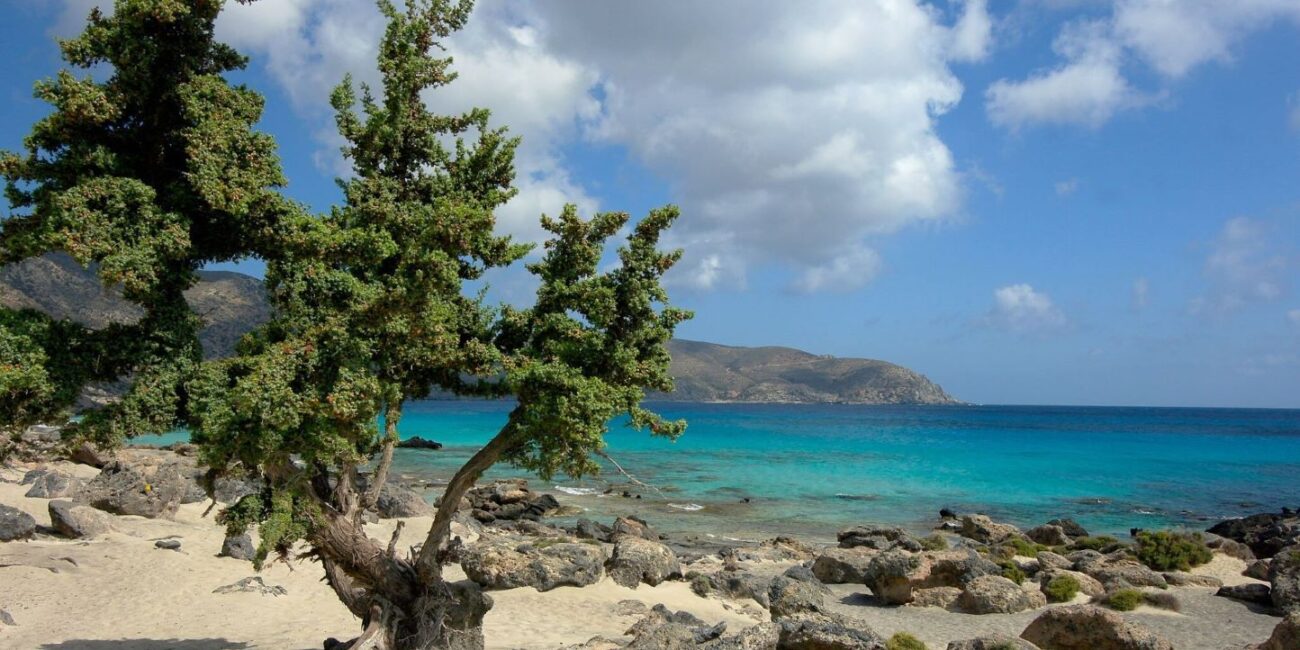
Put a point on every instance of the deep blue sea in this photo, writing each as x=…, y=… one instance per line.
x=809, y=470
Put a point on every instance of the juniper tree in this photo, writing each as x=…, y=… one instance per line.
x=372, y=310
x=146, y=175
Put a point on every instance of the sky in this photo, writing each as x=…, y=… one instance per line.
x=1028, y=201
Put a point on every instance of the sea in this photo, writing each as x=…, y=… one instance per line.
x=752, y=471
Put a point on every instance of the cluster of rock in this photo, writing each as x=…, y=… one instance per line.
x=507, y=500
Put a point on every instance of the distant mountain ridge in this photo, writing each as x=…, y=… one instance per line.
x=232, y=304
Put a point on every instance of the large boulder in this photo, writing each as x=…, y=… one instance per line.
x=1265, y=533
x=1125, y=573
x=399, y=501
x=1050, y=560
x=892, y=576
x=838, y=566
x=543, y=565
x=633, y=526
x=1048, y=535
x=880, y=538
x=1286, y=636
x=15, y=524
x=737, y=585
x=50, y=484
x=137, y=488
x=993, y=642
x=984, y=530
x=1070, y=526
x=941, y=597
x=1087, y=627
x=998, y=595
x=821, y=631
x=636, y=560
x=787, y=597
x=1284, y=576
x=1251, y=592
x=76, y=521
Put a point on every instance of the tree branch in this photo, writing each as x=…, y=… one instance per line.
x=392, y=415
x=634, y=480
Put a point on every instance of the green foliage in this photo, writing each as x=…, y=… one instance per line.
x=1123, y=600
x=1062, y=589
x=934, y=542
x=1011, y=571
x=904, y=641
x=1093, y=543
x=1170, y=551
x=1023, y=547
x=146, y=175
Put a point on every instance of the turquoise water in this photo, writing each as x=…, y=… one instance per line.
x=809, y=470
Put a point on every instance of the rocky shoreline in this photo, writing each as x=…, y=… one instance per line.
x=971, y=583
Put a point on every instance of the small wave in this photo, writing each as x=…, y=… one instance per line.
x=689, y=507
x=577, y=491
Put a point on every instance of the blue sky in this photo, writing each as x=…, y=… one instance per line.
x=1042, y=201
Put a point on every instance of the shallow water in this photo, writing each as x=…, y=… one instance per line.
x=809, y=470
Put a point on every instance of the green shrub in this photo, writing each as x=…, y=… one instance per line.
x=904, y=641
x=1012, y=572
x=1093, y=543
x=1024, y=547
x=1062, y=589
x=934, y=542
x=1163, y=600
x=1169, y=551
x=1124, y=600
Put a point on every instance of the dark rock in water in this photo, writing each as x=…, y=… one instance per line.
x=945, y=513
x=1251, y=593
x=417, y=442
x=1070, y=526
x=15, y=524
x=240, y=547
x=168, y=544
x=51, y=485
x=78, y=521
x=1264, y=533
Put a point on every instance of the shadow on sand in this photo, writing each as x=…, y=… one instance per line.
x=146, y=644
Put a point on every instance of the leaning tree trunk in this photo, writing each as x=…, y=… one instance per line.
x=449, y=616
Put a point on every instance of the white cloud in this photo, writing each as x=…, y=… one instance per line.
x=1243, y=266
x=1067, y=187
x=1022, y=309
x=1140, y=294
x=972, y=36
x=1171, y=37
x=852, y=269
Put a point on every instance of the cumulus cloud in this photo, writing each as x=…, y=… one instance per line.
x=1171, y=38
x=1022, y=309
x=1243, y=266
x=972, y=36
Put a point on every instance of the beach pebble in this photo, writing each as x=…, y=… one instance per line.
x=6, y=619
x=15, y=524
x=1091, y=627
x=168, y=544
x=76, y=521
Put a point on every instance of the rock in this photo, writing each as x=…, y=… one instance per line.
x=838, y=566
x=1229, y=547
x=947, y=513
x=782, y=548
x=52, y=485
x=941, y=597
x=77, y=521
x=136, y=489
x=1115, y=574
x=788, y=597
x=1264, y=533
x=1087, y=627
x=736, y=585
x=88, y=454
x=15, y=524
x=1257, y=570
x=998, y=595
x=502, y=565
x=399, y=501
x=636, y=560
x=892, y=575
x=1284, y=576
x=1070, y=526
x=1250, y=593
x=1050, y=560
x=881, y=538
x=993, y=642
x=168, y=544
x=254, y=585
x=1286, y=636
x=1182, y=579
x=1087, y=584
x=508, y=500
x=416, y=442
x=803, y=574
x=7, y=619
x=240, y=547
x=956, y=568
x=1048, y=535
x=764, y=636
x=634, y=526
x=982, y=529
x=818, y=631
x=588, y=529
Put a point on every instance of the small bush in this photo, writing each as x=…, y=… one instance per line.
x=1123, y=600
x=934, y=542
x=1169, y=551
x=1024, y=547
x=1093, y=543
x=1163, y=600
x=1062, y=589
x=1012, y=572
x=904, y=641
